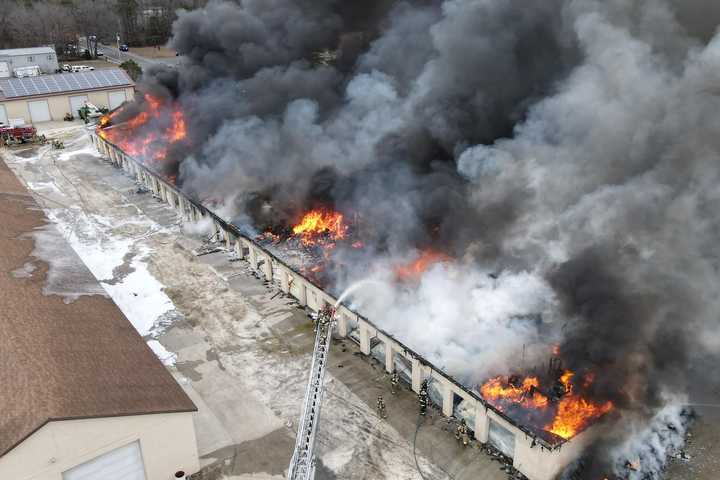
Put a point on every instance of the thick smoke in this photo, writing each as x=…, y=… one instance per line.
x=565, y=153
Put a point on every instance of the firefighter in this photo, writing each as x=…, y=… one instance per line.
x=315, y=322
x=461, y=432
x=394, y=381
x=423, y=397
x=381, y=407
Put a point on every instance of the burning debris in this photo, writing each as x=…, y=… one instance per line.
x=148, y=135
x=558, y=404
x=321, y=227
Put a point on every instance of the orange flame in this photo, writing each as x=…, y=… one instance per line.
x=138, y=121
x=574, y=413
x=570, y=415
x=415, y=269
x=526, y=394
x=178, y=130
x=146, y=144
x=321, y=226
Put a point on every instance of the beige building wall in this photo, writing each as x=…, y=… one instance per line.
x=17, y=109
x=167, y=442
x=59, y=105
x=545, y=464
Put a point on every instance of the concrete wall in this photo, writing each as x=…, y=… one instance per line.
x=167, y=442
x=536, y=459
x=59, y=105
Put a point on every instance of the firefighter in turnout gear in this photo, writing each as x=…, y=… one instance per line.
x=381, y=407
x=394, y=381
x=324, y=317
x=423, y=397
x=461, y=432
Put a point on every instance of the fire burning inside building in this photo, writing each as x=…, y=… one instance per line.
x=531, y=192
x=560, y=408
x=149, y=134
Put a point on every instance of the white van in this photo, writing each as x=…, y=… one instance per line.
x=82, y=68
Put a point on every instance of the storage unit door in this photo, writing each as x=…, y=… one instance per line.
x=3, y=115
x=501, y=438
x=76, y=103
x=116, y=99
x=39, y=111
x=124, y=463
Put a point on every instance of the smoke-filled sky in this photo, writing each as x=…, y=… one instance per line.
x=568, y=147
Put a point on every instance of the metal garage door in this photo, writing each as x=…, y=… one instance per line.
x=501, y=438
x=39, y=111
x=76, y=103
x=116, y=99
x=3, y=115
x=124, y=463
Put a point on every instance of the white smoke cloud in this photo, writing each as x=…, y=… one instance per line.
x=645, y=454
x=461, y=318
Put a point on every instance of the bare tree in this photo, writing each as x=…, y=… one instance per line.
x=128, y=11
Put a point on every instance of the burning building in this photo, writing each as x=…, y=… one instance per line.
x=515, y=178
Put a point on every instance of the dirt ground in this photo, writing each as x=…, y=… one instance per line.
x=153, y=52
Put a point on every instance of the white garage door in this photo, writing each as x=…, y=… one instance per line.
x=39, y=111
x=76, y=103
x=116, y=99
x=124, y=463
x=3, y=115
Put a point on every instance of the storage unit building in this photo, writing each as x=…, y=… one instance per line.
x=43, y=57
x=52, y=97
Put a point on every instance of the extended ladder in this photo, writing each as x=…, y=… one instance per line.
x=302, y=465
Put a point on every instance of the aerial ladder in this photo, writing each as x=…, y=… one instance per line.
x=302, y=464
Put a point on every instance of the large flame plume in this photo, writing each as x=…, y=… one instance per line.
x=559, y=409
x=148, y=135
x=321, y=227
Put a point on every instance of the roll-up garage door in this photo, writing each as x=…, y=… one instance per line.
x=39, y=111
x=116, y=99
x=3, y=115
x=124, y=463
x=76, y=103
x=501, y=438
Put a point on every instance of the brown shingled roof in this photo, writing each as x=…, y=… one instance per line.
x=65, y=361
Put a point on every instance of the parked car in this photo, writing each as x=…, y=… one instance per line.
x=82, y=68
x=66, y=68
x=124, y=48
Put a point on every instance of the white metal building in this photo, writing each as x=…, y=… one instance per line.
x=43, y=57
x=51, y=97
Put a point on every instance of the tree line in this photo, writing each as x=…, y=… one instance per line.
x=138, y=22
